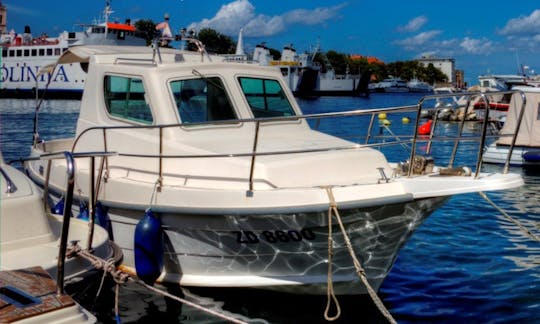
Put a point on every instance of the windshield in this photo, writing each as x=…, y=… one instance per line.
x=266, y=98
x=201, y=100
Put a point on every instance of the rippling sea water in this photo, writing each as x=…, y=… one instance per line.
x=466, y=264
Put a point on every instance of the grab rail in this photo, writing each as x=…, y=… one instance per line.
x=359, y=112
x=10, y=185
x=68, y=202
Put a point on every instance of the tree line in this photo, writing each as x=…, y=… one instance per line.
x=342, y=63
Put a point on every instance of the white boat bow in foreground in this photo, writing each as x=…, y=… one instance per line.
x=33, y=252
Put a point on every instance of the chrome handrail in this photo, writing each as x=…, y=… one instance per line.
x=359, y=112
x=11, y=187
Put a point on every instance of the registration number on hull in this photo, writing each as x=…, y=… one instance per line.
x=251, y=237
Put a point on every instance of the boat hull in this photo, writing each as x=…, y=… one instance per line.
x=521, y=155
x=285, y=252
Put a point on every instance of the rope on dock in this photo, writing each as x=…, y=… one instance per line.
x=332, y=209
x=121, y=277
x=510, y=218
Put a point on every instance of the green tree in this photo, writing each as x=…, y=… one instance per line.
x=147, y=29
x=215, y=42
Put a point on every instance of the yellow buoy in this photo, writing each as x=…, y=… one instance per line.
x=405, y=120
x=382, y=116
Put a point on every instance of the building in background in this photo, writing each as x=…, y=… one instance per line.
x=3, y=19
x=446, y=65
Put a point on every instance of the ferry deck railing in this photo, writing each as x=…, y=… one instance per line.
x=398, y=139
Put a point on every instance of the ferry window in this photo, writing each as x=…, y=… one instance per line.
x=125, y=99
x=4, y=52
x=34, y=52
x=49, y=51
x=266, y=98
x=57, y=51
x=12, y=53
x=202, y=100
x=19, y=52
x=26, y=52
x=41, y=52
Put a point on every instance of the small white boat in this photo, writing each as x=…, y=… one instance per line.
x=416, y=85
x=526, y=149
x=30, y=243
x=390, y=85
x=236, y=187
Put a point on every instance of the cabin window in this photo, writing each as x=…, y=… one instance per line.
x=266, y=98
x=121, y=34
x=125, y=99
x=201, y=100
x=4, y=52
x=41, y=52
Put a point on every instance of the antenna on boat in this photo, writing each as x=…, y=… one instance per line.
x=106, y=13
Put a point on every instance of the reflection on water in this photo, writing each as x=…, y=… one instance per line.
x=466, y=263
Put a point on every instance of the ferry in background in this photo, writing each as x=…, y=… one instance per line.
x=304, y=76
x=27, y=61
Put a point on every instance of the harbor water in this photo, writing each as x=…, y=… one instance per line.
x=467, y=263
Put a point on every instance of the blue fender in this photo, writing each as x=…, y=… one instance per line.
x=103, y=219
x=532, y=156
x=83, y=211
x=59, y=207
x=149, y=248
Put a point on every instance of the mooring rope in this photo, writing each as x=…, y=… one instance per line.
x=122, y=277
x=359, y=270
x=330, y=295
x=510, y=218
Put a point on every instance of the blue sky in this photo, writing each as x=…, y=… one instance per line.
x=483, y=36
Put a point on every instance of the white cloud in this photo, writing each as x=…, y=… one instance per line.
x=418, y=40
x=476, y=46
x=241, y=14
x=523, y=25
x=414, y=24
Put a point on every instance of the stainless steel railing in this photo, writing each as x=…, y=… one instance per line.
x=372, y=113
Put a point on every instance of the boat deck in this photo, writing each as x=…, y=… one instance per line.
x=29, y=292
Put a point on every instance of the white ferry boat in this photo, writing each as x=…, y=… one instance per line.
x=27, y=61
x=304, y=76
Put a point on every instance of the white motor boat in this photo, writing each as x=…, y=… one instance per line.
x=416, y=85
x=30, y=242
x=525, y=120
x=390, y=85
x=218, y=158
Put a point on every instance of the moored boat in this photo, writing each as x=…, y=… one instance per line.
x=27, y=60
x=525, y=150
x=34, y=249
x=243, y=188
x=416, y=85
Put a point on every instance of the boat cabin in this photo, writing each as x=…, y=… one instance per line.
x=178, y=103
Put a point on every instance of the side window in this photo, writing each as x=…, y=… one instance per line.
x=201, y=100
x=266, y=98
x=124, y=99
